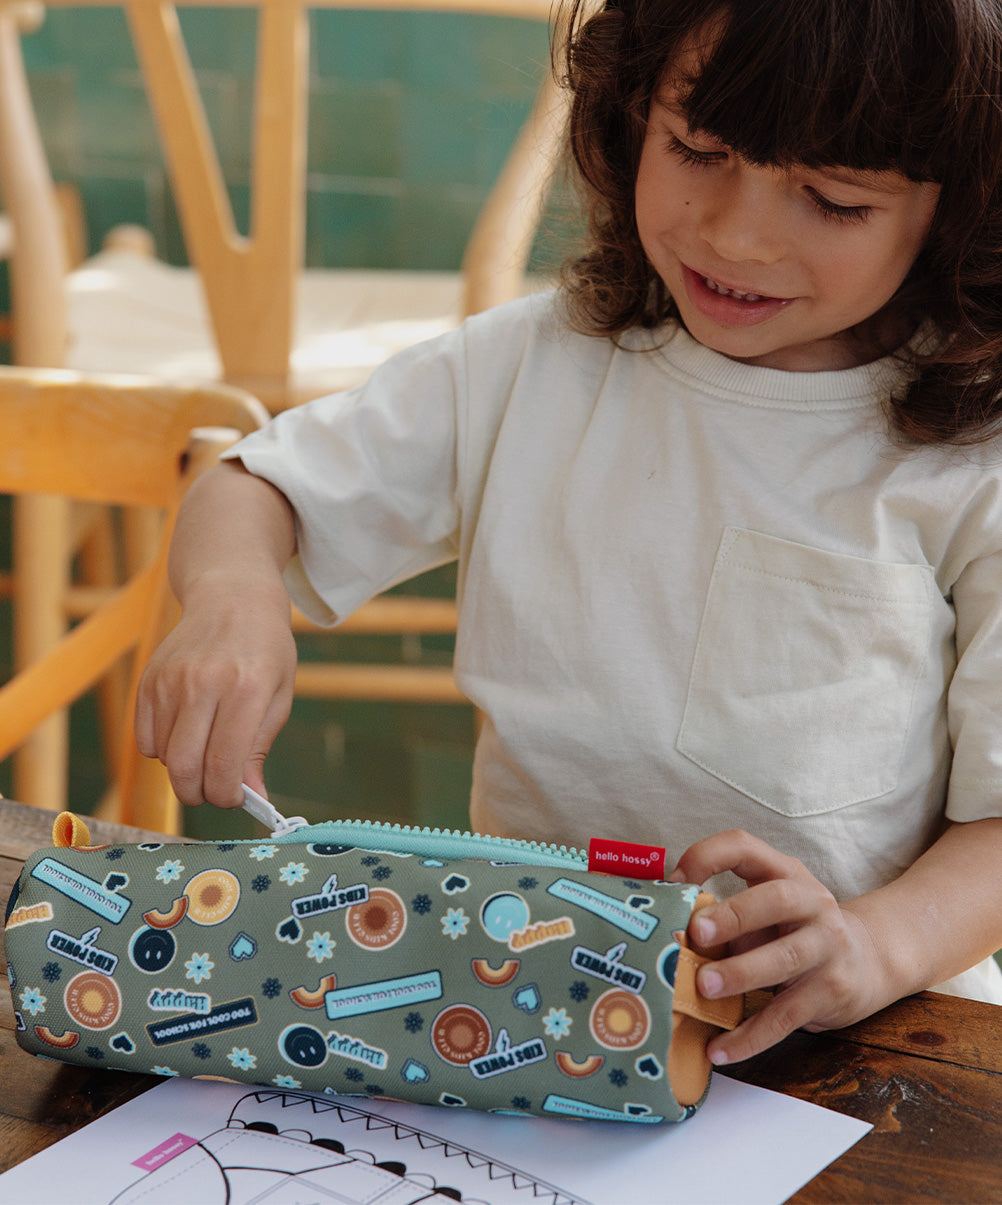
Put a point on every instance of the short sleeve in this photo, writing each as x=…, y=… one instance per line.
x=975, y=693
x=372, y=477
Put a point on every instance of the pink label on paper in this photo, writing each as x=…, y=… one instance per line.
x=167, y=1150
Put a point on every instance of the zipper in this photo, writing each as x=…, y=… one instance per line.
x=444, y=843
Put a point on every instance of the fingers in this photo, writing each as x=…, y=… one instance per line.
x=212, y=721
x=207, y=748
x=785, y=929
x=771, y=905
x=748, y=857
x=786, y=1012
x=781, y=960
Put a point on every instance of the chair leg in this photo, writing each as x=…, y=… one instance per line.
x=40, y=561
x=100, y=568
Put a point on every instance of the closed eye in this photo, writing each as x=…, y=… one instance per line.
x=689, y=154
x=843, y=214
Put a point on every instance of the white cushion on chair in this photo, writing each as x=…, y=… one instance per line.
x=133, y=314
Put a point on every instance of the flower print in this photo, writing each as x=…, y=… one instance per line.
x=381, y=873
x=557, y=1023
x=292, y=873
x=170, y=870
x=528, y=882
x=618, y=1077
x=521, y=1102
x=578, y=991
x=370, y=860
x=421, y=904
x=199, y=967
x=260, y=882
x=114, y=854
x=32, y=1001
x=163, y=1071
x=454, y=923
x=320, y=947
x=51, y=972
x=95, y=1053
x=260, y=852
x=353, y=1074
x=271, y=988
x=201, y=1051
x=413, y=1022
x=286, y=1081
x=242, y=1059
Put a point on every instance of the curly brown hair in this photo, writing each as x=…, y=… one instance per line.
x=913, y=86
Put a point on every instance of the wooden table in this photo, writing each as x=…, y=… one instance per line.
x=927, y=1073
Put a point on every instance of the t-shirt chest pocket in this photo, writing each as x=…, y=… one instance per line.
x=804, y=673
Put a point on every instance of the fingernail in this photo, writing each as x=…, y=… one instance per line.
x=718, y=1057
x=704, y=930
x=676, y=876
x=711, y=983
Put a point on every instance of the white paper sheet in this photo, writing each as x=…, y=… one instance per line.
x=205, y=1143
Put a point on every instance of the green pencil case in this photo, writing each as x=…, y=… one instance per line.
x=365, y=959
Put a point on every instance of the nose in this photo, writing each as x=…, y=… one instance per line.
x=742, y=219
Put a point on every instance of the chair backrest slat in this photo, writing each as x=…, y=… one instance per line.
x=250, y=282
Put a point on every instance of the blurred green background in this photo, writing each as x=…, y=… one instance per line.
x=411, y=117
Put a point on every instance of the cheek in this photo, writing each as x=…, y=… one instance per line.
x=661, y=198
x=864, y=275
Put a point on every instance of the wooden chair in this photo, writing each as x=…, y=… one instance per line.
x=116, y=442
x=247, y=312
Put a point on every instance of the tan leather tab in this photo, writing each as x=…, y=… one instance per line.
x=725, y=1013
x=695, y=1019
x=69, y=832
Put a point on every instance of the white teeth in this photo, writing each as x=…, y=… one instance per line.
x=718, y=288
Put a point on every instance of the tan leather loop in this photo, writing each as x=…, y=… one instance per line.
x=724, y=1014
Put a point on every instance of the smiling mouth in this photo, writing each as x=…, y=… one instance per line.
x=723, y=291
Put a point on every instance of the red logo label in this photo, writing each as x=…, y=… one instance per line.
x=626, y=859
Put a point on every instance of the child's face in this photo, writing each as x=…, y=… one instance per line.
x=773, y=266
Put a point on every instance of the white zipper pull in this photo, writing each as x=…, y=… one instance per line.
x=267, y=814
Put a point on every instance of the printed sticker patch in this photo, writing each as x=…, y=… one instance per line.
x=82, y=949
x=506, y=1057
x=637, y=924
x=93, y=1000
x=460, y=1034
x=26, y=914
x=98, y=897
x=383, y=994
x=330, y=898
x=233, y=1015
x=609, y=966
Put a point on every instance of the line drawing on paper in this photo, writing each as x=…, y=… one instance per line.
x=280, y=1147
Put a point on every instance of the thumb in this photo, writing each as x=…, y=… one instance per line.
x=254, y=773
x=273, y=722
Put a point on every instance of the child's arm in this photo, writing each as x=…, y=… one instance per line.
x=219, y=688
x=837, y=964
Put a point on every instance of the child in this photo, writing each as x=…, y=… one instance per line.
x=727, y=508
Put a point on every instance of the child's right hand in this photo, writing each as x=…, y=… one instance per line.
x=216, y=693
x=219, y=688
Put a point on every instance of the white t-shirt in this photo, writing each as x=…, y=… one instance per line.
x=693, y=594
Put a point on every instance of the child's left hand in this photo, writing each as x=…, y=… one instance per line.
x=785, y=931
